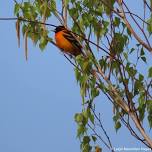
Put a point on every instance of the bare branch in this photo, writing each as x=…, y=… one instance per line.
x=100, y=123
x=100, y=137
x=132, y=31
x=137, y=24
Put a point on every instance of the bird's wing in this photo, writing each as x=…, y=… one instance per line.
x=71, y=38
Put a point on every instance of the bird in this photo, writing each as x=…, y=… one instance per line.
x=98, y=149
x=67, y=42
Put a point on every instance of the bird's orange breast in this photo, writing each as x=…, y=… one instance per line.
x=63, y=43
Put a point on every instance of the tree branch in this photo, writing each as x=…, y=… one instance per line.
x=132, y=31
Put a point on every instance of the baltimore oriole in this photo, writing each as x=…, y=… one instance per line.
x=98, y=149
x=67, y=42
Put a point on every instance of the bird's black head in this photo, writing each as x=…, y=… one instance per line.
x=59, y=28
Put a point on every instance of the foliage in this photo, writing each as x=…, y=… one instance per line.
x=112, y=65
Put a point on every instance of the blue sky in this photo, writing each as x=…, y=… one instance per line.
x=38, y=98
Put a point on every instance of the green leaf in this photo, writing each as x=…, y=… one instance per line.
x=86, y=114
x=149, y=25
x=86, y=19
x=81, y=130
x=26, y=5
x=79, y=117
x=142, y=53
x=91, y=116
x=86, y=147
x=86, y=139
x=149, y=110
x=141, y=77
x=108, y=6
x=131, y=71
x=117, y=125
x=105, y=27
x=72, y=1
x=118, y=43
x=35, y=37
x=125, y=55
x=53, y=5
x=138, y=85
x=77, y=74
x=74, y=13
x=142, y=106
x=16, y=9
x=128, y=32
x=150, y=72
x=116, y=117
x=103, y=64
x=67, y=1
x=24, y=29
x=94, y=92
x=94, y=138
x=116, y=21
x=43, y=42
x=144, y=59
x=98, y=10
x=132, y=50
x=150, y=119
x=86, y=66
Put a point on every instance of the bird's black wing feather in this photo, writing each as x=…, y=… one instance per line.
x=71, y=38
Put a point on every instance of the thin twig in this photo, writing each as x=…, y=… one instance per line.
x=99, y=120
x=133, y=32
x=138, y=17
x=37, y=22
x=25, y=20
x=137, y=24
x=99, y=136
x=148, y=6
x=64, y=12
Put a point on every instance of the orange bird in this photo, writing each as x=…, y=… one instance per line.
x=67, y=42
x=98, y=149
